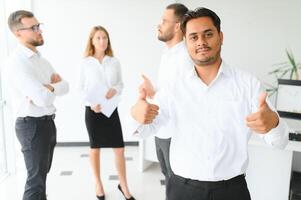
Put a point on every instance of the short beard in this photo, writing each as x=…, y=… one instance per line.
x=209, y=61
x=166, y=37
x=36, y=43
x=206, y=62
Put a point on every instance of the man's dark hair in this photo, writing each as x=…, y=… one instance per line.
x=14, y=19
x=200, y=12
x=179, y=10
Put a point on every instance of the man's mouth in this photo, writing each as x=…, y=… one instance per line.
x=203, y=50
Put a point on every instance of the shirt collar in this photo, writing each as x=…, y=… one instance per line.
x=224, y=70
x=175, y=47
x=27, y=52
x=105, y=59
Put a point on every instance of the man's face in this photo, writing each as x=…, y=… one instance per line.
x=166, y=28
x=203, y=41
x=30, y=33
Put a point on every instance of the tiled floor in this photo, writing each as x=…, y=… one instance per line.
x=71, y=178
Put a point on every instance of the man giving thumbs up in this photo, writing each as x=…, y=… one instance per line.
x=213, y=109
x=264, y=119
x=143, y=111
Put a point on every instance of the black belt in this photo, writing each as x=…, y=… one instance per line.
x=46, y=117
x=209, y=184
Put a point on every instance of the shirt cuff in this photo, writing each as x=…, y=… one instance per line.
x=139, y=130
x=60, y=88
x=133, y=126
x=278, y=136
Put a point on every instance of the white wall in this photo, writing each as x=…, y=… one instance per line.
x=256, y=32
x=132, y=27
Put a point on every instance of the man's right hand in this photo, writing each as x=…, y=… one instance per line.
x=144, y=112
x=148, y=87
x=96, y=109
x=55, y=78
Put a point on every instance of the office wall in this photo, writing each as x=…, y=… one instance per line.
x=256, y=33
x=132, y=27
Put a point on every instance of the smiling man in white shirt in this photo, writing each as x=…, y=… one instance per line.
x=34, y=86
x=214, y=109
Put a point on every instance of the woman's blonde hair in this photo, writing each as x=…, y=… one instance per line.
x=90, y=49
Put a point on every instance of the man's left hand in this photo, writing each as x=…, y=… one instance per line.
x=111, y=92
x=264, y=119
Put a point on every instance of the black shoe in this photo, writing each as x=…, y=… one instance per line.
x=100, y=197
x=131, y=198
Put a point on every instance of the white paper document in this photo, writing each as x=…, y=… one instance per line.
x=97, y=95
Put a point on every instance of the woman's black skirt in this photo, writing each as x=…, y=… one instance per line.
x=104, y=132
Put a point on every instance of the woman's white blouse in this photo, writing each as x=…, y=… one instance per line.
x=93, y=72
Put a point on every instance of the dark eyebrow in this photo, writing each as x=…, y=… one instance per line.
x=192, y=34
x=208, y=30
x=205, y=31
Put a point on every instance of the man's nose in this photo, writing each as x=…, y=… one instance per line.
x=201, y=41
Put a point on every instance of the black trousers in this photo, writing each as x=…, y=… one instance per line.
x=180, y=188
x=37, y=137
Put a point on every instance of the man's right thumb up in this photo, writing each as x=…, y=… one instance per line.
x=142, y=95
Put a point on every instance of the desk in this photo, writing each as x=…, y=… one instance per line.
x=269, y=170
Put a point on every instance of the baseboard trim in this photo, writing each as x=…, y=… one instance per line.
x=84, y=144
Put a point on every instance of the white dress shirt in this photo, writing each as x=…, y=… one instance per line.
x=93, y=72
x=174, y=61
x=27, y=72
x=210, y=141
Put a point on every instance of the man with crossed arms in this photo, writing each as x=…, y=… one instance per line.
x=34, y=87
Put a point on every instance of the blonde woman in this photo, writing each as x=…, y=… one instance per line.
x=100, y=67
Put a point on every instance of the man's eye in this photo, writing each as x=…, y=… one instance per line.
x=209, y=34
x=194, y=38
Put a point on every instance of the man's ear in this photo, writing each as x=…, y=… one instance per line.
x=178, y=27
x=17, y=33
x=221, y=35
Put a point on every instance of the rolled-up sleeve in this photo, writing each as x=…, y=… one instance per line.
x=60, y=88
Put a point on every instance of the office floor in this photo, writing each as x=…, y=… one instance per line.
x=71, y=177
